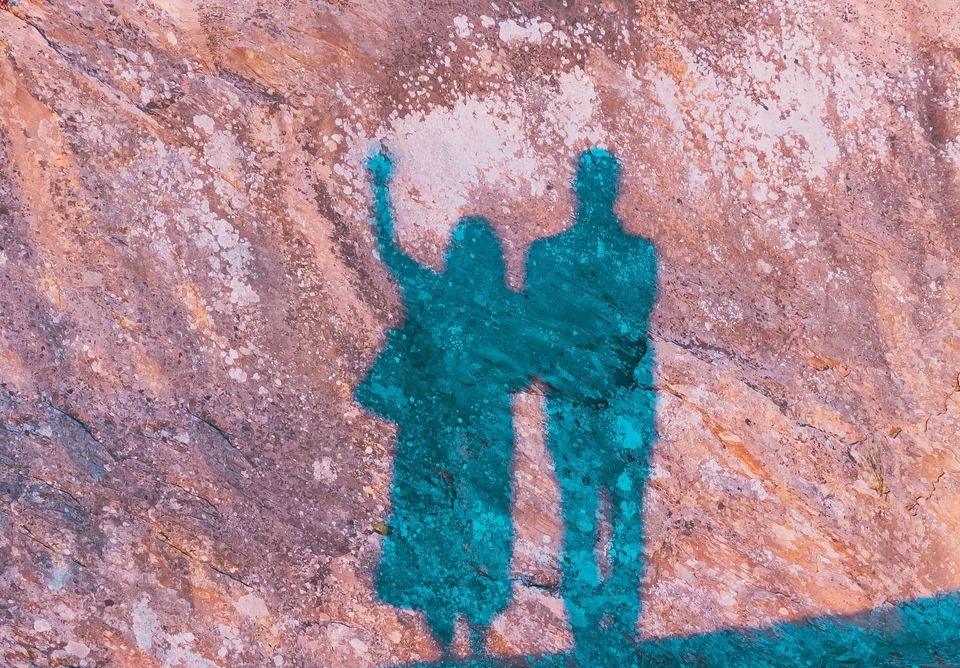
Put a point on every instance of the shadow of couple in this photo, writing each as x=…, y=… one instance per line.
x=578, y=328
x=446, y=377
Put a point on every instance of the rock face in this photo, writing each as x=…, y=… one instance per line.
x=189, y=296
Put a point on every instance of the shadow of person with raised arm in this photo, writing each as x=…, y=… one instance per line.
x=445, y=378
x=590, y=291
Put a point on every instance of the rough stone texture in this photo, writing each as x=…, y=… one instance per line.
x=189, y=296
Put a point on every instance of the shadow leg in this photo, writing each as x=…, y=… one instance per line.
x=578, y=481
x=630, y=438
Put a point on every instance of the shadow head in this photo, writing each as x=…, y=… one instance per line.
x=475, y=255
x=598, y=179
x=381, y=166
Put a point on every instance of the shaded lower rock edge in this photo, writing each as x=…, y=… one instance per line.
x=924, y=631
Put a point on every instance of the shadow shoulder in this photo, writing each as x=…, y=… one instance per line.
x=641, y=245
x=547, y=248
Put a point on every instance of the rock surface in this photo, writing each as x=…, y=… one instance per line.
x=189, y=296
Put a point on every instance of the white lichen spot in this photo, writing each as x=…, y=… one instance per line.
x=727, y=599
x=462, y=25
x=205, y=123
x=251, y=606
x=58, y=578
x=145, y=624
x=323, y=470
x=533, y=30
x=180, y=654
x=951, y=151
x=77, y=649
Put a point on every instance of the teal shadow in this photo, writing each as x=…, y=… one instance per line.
x=589, y=293
x=578, y=328
x=445, y=379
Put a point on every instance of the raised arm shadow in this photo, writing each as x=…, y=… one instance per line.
x=407, y=271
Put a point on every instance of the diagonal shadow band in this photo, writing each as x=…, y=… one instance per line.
x=914, y=632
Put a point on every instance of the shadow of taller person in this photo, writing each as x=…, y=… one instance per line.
x=590, y=290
